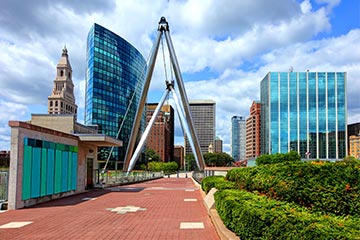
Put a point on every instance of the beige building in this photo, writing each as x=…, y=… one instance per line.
x=354, y=146
x=62, y=99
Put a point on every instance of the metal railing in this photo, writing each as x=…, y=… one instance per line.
x=198, y=176
x=4, y=182
x=113, y=177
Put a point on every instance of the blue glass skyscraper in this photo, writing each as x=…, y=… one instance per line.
x=304, y=112
x=114, y=82
x=238, y=138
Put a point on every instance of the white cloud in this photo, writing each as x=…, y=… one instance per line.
x=237, y=41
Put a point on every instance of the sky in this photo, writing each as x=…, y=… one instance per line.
x=224, y=48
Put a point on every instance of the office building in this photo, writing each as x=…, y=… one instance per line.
x=62, y=99
x=114, y=82
x=179, y=156
x=161, y=136
x=238, y=138
x=354, y=143
x=203, y=116
x=304, y=112
x=218, y=145
x=253, y=131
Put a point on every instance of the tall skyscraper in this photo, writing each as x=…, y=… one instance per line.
x=305, y=112
x=238, y=138
x=161, y=136
x=62, y=99
x=253, y=131
x=203, y=115
x=114, y=82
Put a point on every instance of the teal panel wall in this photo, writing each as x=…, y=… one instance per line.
x=48, y=168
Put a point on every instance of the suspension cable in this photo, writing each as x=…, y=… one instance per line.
x=127, y=111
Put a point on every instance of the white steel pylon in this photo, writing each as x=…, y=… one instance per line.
x=185, y=117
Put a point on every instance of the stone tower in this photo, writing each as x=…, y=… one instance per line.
x=62, y=99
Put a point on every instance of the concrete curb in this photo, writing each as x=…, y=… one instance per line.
x=209, y=202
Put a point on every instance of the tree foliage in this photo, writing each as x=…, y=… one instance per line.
x=291, y=156
x=167, y=168
x=151, y=155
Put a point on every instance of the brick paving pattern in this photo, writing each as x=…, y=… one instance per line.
x=149, y=210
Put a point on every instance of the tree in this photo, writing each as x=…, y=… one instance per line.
x=217, y=159
x=151, y=155
x=190, y=163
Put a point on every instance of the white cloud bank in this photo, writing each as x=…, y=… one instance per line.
x=237, y=41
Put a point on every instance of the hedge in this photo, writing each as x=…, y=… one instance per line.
x=217, y=182
x=251, y=216
x=319, y=186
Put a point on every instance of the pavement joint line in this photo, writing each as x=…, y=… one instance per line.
x=15, y=224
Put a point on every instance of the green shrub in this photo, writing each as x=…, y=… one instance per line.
x=257, y=217
x=217, y=182
x=320, y=186
x=265, y=159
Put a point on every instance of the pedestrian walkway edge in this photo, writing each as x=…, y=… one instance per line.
x=223, y=232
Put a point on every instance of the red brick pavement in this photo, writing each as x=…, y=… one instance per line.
x=75, y=218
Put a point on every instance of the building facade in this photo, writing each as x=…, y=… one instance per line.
x=304, y=112
x=203, y=116
x=218, y=145
x=161, y=136
x=354, y=148
x=179, y=156
x=114, y=82
x=62, y=99
x=238, y=138
x=253, y=131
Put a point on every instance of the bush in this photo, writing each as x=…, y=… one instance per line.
x=319, y=186
x=257, y=217
x=217, y=182
x=265, y=159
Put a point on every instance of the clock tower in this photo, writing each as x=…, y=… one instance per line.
x=62, y=99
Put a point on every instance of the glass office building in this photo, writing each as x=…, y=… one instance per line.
x=304, y=112
x=238, y=138
x=115, y=78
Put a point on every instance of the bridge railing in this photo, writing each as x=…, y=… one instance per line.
x=4, y=182
x=118, y=177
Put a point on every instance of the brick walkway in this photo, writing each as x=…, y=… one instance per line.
x=167, y=208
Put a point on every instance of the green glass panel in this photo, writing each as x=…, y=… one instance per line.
x=74, y=171
x=35, y=171
x=43, y=171
x=26, y=181
x=64, y=171
x=50, y=172
x=58, y=172
x=70, y=166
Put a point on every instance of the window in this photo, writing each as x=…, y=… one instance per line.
x=61, y=73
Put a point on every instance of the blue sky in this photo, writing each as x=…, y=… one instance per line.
x=224, y=48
